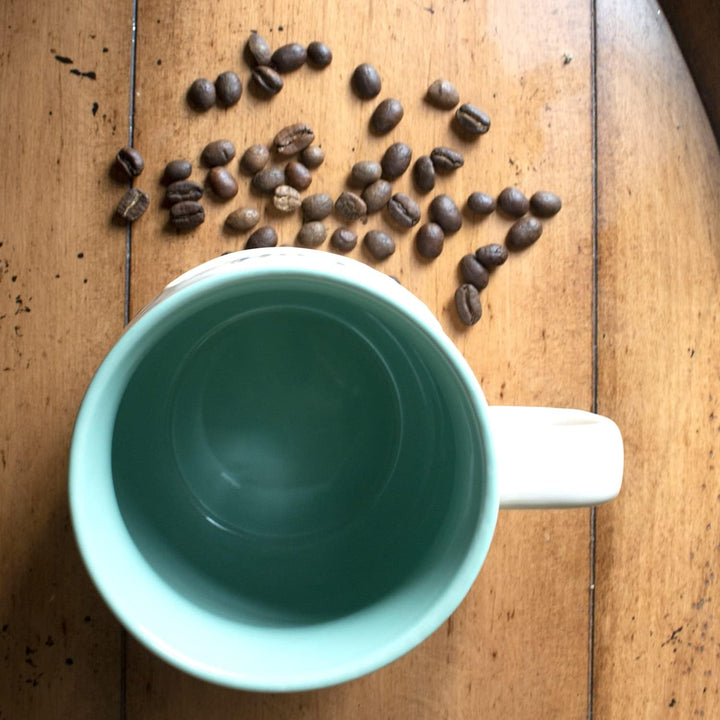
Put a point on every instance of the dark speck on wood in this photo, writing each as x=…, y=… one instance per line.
x=63, y=59
x=95, y=107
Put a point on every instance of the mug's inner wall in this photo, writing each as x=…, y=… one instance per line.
x=289, y=454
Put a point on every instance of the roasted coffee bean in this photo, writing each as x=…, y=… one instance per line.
x=218, y=152
x=267, y=80
x=201, y=94
x=403, y=210
x=286, y=198
x=176, y=170
x=258, y=49
x=268, y=179
x=293, y=138
x=396, y=160
x=350, y=206
x=288, y=57
x=481, y=203
x=132, y=205
x=312, y=157
x=467, y=303
x=379, y=244
x=376, y=195
x=513, y=202
x=424, y=174
x=446, y=159
x=492, y=255
x=365, y=172
x=472, y=120
x=263, y=237
x=311, y=234
x=366, y=81
x=545, y=204
x=386, y=115
x=474, y=272
x=228, y=88
x=429, y=240
x=187, y=215
x=129, y=162
x=254, y=159
x=523, y=233
x=183, y=190
x=443, y=94
x=243, y=219
x=319, y=54
x=222, y=183
x=297, y=175
x=445, y=213
x=343, y=239
x=317, y=207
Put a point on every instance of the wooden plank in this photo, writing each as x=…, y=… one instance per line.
x=61, y=307
x=529, y=610
x=657, y=645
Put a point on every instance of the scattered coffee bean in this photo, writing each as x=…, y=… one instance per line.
x=366, y=81
x=187, y=215
x=267, y=80
x=132, y=205
x=523, y=233
x=319, y=54
x=222, y=183
x=429, y=240
x=286, y=198
x=445, y=159
x=182, y=190
x=376, y=195
x=396, y=160
x=218, y=152
x=365, y=172
x=350, y=206
x=403, y=210
x=228, y=88
x=129, y=162
x=472, y=120
x=474, y=272
x=201, y=94
x=513, y=202
x=268, y=179
x=379, y=244
x=263, y=237
x=243, y=219
x=445, y=213
x=293, y=138
x=467, y=303
x=297, y=175
x=317, y=206
x=176, y=170
x=258, y=49
x=443, y=94
x=343, y=239
x=481, y=203
x=491, y=256
x=545, y=204
x=288, y=57
x=424, y=174
x=312, y=157
x=386, y=116
x=311, y=234
x=254, y=159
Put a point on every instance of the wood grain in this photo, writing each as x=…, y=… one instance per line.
x=657, y=641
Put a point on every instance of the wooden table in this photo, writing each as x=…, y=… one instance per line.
x=605, y=614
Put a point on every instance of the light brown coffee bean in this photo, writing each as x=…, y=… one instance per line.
x=350, y=206
x=293, y=138
x=491, y=256
x=132, y=205
x=474, y=272
x=263, y=237
x=312, y=234
x=218, y=152
x=379, y=244
x=545, y=204
x=513, y=202
x=467, y=303
x=429, y=240
x=344, y=239
x=376, y=195
x=297, y=175
x=222, y=183
x=243, y=219
x=258, y=50
x=317, y=206
x=364, y=173
x=267, y=80
x=286, y=198
x=443, y=94
x=312, y=157
x=254, y=159
x=523, y=233
x=268, y=179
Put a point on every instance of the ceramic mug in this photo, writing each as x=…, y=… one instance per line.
x=284, y=475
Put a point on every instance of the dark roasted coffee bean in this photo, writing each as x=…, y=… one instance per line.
x=187, y=215
x=201, y=94
x=176, y=170
x=132, y=205
x=183, y=190
x=386, y=115
x=376, y=195
x=343, y=239
x=396, y=160
x=350, y=206
x=467, y=303
x=492, y=255
x=429, y=240
x=254, y=159
x=222, y=183
x=289, y=57
x=293, y=138
x=228, y=88
x=545, y=204
x=403, y=210
x=218, y=152
x=424, y=174
x=243, y=219
x=267, y=80
x=481, y=203
x=286, y=198
x=474, y=272
x=446, y=159
x=317, y=207
x=129, y=162
x=311, y=234
x=366, y=81
x=268, y=179
x=297, y=175
x=319, y=54
x=472, y=120
x=365, y=172
x=443, y=94
x=445, y=213
x=379, y=244
x=312, y=157
x=513, y=202
x=258, y=49
x=523, y=233
x=263, y=237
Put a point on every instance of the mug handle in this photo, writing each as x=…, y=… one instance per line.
x=555, y=458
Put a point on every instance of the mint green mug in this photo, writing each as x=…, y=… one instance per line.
x=284, y=475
